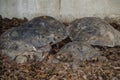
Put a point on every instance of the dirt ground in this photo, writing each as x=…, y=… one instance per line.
x=104, y=68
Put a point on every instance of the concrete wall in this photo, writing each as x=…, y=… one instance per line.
x=65, y=10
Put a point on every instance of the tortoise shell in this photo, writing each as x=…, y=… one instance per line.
x=33, y=35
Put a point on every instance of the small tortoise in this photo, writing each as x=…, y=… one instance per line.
x=77, y=51
x=32, y=39
x=94, y=31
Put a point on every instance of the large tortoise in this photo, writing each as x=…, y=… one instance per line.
x=94, y=31
x=33, y=39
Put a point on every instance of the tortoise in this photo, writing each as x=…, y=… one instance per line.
x=94, y=31
x=33, y=39
x=77, y=51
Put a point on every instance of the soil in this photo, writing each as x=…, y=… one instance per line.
x=105, y=68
